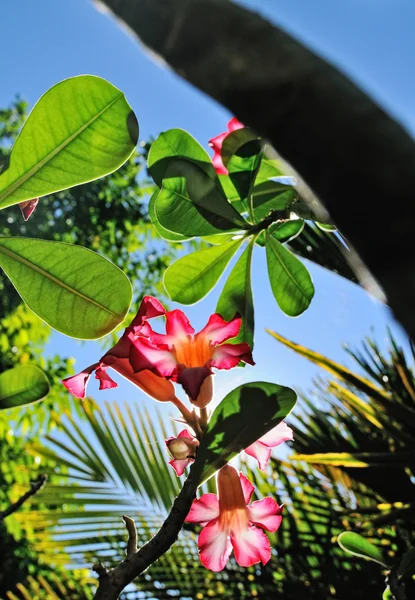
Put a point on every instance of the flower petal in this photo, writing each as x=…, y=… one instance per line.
x=105, y=381
x=228, y=356
x=192, y=378
x=150, y=307
x=179, y=465
x=261, y=452
x=214, y=546
x=28, y=207
x=251, y=546
x=186, y=434
x=177, y=324
x=204, y=509
x=217, y=330
x=235, y=124
x=145, y=355
x=217, y=141
x=247, y=487
x=266, y=513
x=279, y=434
x=76, y=385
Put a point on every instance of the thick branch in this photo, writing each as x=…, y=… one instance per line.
x=35, y=486
x=356, y=158
x=111, y=583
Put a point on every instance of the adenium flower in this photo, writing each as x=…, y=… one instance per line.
x=183, y=449
x=217, y=142
x=117, y=358
x=230, y=522
x=28, y=207
x=188, y=358
x=262, y=448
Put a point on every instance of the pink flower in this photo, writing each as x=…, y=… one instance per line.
x=217, y=142
x=262, y=448
x=230, y=522
x=28, y=207
x=183, y=449
x=188, y=358
x=117, y=358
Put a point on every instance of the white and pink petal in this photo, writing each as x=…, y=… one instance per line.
x=217, y=330
x=214, y=546
x=204, y=509
x=279, y=434
x=247, y=488
x=251, y=546
x=261, y=452
x=227, y=356
x=77, y=384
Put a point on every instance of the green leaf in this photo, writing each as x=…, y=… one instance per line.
x=190, y=278
x=75, y=290
x=406, y=567
x=177, y=144
x=81, y=129
x=287, y=231
x=387, y=594
x=359, y=546
x=192, y=204
x=162, y=231
x=272, y=195
x=243, y=416
x=290, y=281
x=325, y=226
x=22, y=385
x=358, y=460
x=237, y=297
x=242, y=154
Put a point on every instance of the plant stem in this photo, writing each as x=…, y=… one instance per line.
x=35, y=486
x=111, y=583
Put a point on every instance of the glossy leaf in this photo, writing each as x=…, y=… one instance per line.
x=177, y=144
x=359, y=546
x=326, y=226
x=162, y=231
x=243, y=416
x=236, y=297
x=22, y=385
x=75, y=290
x=190, y=278
x=81, y=129
x=192, y=204
x=291, y=283
x=287, y=231
x=272, y=195
x=242, y=155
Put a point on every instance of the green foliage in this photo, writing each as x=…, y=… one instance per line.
x=22, y=385
x=74, y=290
x=359, y=546
x=81, y=129
x=242, y=417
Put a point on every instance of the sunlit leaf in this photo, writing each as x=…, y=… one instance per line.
x=291, y=283
x=243, y=416
x=81, y=129
x=359, y=546
x=21, y=385
x=190, y=278
x=236, y=297
x=75, y=290
x=162, y=231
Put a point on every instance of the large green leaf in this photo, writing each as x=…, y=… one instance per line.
x=272, y=195
x=190, y=278
x=290, y=281
x=174, y=144
x=81, y=129
x=359, y=546
x=243, y=416
x=192, y=204
x=75, y=290
x=236, y=297
x=22, y=385
x=162, y=231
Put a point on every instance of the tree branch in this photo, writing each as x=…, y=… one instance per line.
x=111, y=583
x=35, y=486
x=356, y=158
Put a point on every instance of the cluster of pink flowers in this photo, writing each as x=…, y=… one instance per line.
x=154, y=362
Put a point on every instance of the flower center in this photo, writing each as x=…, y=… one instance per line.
x=193, y=351
x=233, y=515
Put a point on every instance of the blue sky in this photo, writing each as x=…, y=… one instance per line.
x=372, y=40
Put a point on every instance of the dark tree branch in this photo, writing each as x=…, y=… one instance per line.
x=111, y=583
x=35, y=486
x=357, y=159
